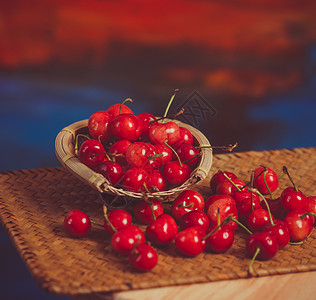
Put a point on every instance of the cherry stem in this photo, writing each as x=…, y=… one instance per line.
x=265, y=182
x=238, y=189
x=251, y=184
x=168, y=117
x=267, y=205
x=225, y=221
x=307, y=214
x=169, y=104
x=241, y=225
x=128, y=99
x=150, y=203
x=228, y=148
x=106, y=155
x=296, y=243
x=105, y=213
x=254, y=179
x=218, y=217
x=174, y=151
x=191, y=204
x=285, y=171
x=153, y=157
x=96, y=223
x=253, y=259
x=77, y=141
x=193, y=157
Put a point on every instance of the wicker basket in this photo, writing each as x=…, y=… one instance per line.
x=65, y=152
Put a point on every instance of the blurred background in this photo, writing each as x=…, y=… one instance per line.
x=246, y=71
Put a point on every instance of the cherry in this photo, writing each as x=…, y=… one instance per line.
x=91, y=153
x=176, y=173
x=239, y=196
x=187, y=201
x=246, y=206
x=118, y=151
x=292, y=197
x=261, y=245
x=126, y=127
x=219, y=177
x=118, y=108
x=146, y=119
x=215, y=197
x=185, y=136
x=141, y=155
x=189, y=241
x=280, y=231
x=162, y=231
x=195, y=218
x=98, y=126
x=224, y=208
x=275, y=207
x=117, y=219
x=124, y=240
x=77, y=223
x=144, y=213
x=166, y=154
x=266, y=181
x=143, y=257
x=158, y=133
x=134, y=179
x=258, y=219
x=112, y=171
x=227, y=187
x=155, y=181
x=188, y=154
x=221, y=240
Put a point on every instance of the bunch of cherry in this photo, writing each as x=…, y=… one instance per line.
x=138, y=153
x=195, y=225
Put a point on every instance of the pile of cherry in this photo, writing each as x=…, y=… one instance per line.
x=138, y=152
x=195, y=225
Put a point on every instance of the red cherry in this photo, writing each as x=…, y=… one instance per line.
x=245, y=207
x=227, y=188
x=258, y=219
x=189, y=154
x=219, y=177
x=186, y=135
x=221, y=240
x=175, y=173
x=270, y=177
x=280, y=231
x=77, y=223
x=119, y=219
x=146, y=118
x=124, y=240
x=292, y=199
x=134, y=179
x=114, y=110
x=239, y=196
x=162, y=231
x=155, y=181
x=311, y=204
x=119, y=150
x=98, y=126
x=143, y=257
x=187, y=201
x=141, y=155
x=88, y=153
x=299, y=213
x=158, y=133
x=215, y=197
x=275, y=207
x=189, y=241
x=265, y=242
x=143, y=213
x=112, y=171
x=195, y=218
x=225, y=207
x=126, y=127
x=165, y=151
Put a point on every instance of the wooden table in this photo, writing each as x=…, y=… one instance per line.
x=33, y=204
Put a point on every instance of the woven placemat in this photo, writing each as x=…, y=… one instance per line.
x=32, y=208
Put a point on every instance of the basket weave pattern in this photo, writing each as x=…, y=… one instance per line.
x=33, y=204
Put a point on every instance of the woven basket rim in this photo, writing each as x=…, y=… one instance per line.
x=65, y=152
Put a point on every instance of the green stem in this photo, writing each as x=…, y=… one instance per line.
x=265, y=182
x=150, y=203
x=108, y=221
x=285, y=171
x=77, y=142
x=174, y=151
x=238, y=189
x=194, y=157
x=95, y=223
x=225, y=221
x=267, y=205
x=128, y=99
x=168, y=117
x=169, y=104
x=253, y=259
x=241, y=225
